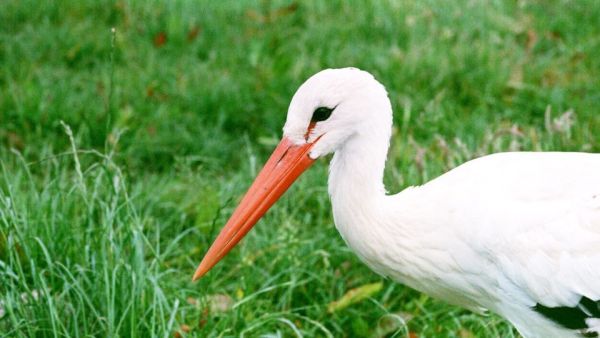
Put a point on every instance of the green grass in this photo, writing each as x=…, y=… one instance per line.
x=101, y=231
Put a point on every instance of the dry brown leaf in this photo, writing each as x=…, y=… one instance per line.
x=160, y=39
x=193, y=33
x=192, y=301
x=532, y=39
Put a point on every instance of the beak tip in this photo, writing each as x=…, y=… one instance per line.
x=200, y=271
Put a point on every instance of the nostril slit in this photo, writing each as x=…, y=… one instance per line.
x=282, y=156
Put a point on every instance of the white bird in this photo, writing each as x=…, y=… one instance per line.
x=515, y=233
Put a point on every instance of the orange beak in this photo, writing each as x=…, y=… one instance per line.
x=284, y=166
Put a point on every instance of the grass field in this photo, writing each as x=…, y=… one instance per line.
x=123, y=153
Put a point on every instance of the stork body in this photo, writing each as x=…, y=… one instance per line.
x=514, y=233
x=508, y=232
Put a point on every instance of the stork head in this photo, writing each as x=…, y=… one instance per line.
x=334, y=105
x=330, y=108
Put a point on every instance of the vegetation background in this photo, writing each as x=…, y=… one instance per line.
x=123, y=152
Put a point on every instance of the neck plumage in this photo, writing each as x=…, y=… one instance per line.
x=356, y=170
x=377, y=227
x=393, y=235
x=357, y=192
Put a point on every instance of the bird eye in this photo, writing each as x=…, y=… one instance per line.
x=321, y=114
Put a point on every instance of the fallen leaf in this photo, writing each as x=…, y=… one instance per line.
x=160, y=39
x=532, y=39
x=192, y=301
x=193, y=33
x=203, y=318
x=354, y=296
x=183, y=328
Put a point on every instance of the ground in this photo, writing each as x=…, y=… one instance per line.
x=129, y=130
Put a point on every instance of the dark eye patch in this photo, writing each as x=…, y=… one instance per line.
x=321, y=114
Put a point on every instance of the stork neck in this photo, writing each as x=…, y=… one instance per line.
x=356, y=170
x=358, y=195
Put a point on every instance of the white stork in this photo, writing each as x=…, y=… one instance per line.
x=515, y=233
